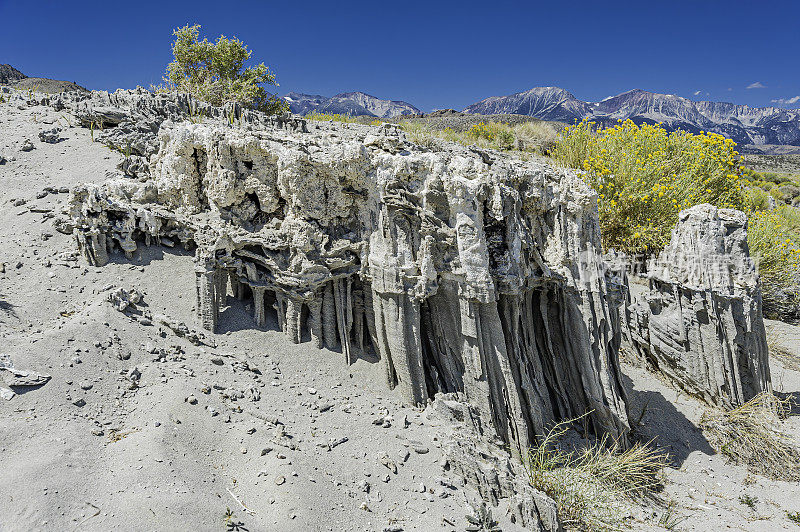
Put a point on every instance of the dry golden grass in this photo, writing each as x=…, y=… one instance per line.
x=328, y=117
x=775, y=343
x=750, y=435
x=529, y=137
x=593, y=487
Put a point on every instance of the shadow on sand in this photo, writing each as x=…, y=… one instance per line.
x=6, y=308
x=144, y=255
x=237, y=316
x=664, y=424
x=793, y=401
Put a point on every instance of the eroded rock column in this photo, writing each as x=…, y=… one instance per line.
x=206, y=285
x=294, y=308
x=700, y=323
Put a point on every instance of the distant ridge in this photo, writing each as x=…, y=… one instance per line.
x=8, y=74
x=14, y=78
x=748, y=126
x=743, y=124
x=349, y=103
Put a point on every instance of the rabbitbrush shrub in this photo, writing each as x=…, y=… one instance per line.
x=645, y=176
x=774, y=239
x=215, y=72
x=752, y=435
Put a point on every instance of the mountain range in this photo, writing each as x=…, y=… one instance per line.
x=743, y=124
x=349, y=103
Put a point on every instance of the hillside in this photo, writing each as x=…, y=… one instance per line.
x=47, y=85
x=9, y=74
x=14, y=78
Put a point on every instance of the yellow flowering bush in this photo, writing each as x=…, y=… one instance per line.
x=498, y=134
x=645, y=176
x=774, y=239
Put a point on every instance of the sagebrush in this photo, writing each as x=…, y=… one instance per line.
x=216, y=73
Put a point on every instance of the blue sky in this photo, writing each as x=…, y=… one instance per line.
x=432, y=54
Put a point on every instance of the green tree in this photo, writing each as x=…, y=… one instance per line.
x=215, y=72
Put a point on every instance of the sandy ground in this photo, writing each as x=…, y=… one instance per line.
x=189, y=441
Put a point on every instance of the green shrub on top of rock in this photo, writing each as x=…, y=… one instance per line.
x=215, y=72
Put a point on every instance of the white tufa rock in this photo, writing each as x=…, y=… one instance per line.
x=700, y=323
x=464, y=270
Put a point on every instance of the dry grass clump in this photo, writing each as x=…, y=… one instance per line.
x=422, y=134
x=539, y=137
x=775, y=343
x=532, y=136
x=337, y=117
x=750, y=435
x=593, y=487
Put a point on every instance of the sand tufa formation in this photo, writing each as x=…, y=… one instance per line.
x=465, y=271
x=700, y=323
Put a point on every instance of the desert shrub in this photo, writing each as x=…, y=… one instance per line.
x=592, y=487
x=756, y=200
x=215, y=72
x=645, y=176
x=348, y=119
x=769, y=177
x=418, y=133
x=750, y=435
x=496, y=134
x=422, y=134
x=774, y=239
x=790, y=191
x=537, y=136
x=327, y=117
x=777, y=193
x=774, y=177
x=533, y=136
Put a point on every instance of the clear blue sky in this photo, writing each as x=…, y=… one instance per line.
x=432, y=54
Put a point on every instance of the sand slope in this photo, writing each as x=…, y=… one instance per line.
x=142, y=457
